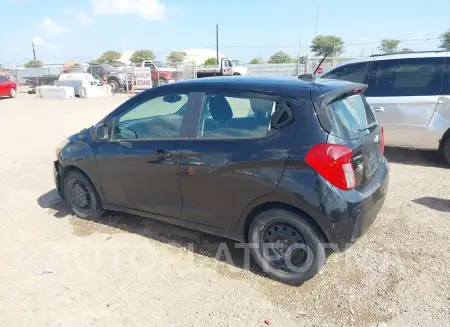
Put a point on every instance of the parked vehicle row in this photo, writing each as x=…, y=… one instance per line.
x=410, y=95
x=302, y=173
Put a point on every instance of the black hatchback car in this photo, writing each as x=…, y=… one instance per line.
x=292, y=168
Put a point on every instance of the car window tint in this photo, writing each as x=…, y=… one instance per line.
x=227, y=116
x=156, y=118
x=352, y=72
x=349, y=116
x=405, y=77
x=445, y=89
x=3, y=79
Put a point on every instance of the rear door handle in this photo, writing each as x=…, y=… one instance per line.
x=378, y=109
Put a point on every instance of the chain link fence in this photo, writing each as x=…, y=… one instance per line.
x=294, y=69
x=127, y=78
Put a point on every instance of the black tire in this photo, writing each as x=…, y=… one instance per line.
x=292, y=224
x=446, y=150
x=236, y=74
x=115, y=86
x=93, y=207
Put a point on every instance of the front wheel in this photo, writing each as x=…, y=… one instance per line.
x=162, y=82
x=12, y=93
x=286, y=246
x=82, y=196
x=115, y=86
x=446, y=150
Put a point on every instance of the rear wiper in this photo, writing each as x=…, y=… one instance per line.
x=371, y=125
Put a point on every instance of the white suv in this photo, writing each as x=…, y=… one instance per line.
x=409, y=94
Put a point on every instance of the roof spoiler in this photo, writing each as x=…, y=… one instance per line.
x=343, y=92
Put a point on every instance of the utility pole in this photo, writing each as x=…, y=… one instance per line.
x=317, y=17
x=217, y=44
x=298, y=54
x=34, y=51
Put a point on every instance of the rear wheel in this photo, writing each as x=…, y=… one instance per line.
x=82, y=196
x=286, y=246
x=446, y=149
x=162, y=82
x=12, y=93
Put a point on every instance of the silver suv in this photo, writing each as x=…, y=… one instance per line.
x=409, y=94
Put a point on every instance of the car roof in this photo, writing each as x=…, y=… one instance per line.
x=403, y=55
x=282, y=85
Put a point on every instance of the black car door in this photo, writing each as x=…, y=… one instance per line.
x=232, y=157
x=139, y=167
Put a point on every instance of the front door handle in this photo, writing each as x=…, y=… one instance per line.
x=378, y=109
x=127, y=145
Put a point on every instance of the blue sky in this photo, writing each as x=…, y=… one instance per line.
x=83, y=29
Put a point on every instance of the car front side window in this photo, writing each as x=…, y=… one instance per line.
x=352, y=72
x=156, y=118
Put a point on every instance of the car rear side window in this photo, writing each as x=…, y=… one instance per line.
x=3, y=79
x=352, y=72
x=405, y=77
x=349, y=117
x=226, y=116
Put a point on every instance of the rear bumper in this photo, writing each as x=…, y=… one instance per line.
x=57, y=176
x=353, y=212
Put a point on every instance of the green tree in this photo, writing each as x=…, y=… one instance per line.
x=406, y=50
x=445, y=40
x=138, y=56
x=109, y=57
x=279, y=57
x=176, y=56
x=389, y=46
x=256, y=60
x=327, y=44
x=33, y=64
x=210, y=61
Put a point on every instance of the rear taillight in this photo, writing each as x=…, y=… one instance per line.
x=382, y=139
x=334, y=163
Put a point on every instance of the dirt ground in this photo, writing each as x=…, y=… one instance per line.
x=122, y=270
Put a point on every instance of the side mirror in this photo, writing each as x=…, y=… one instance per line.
x=172, y=98
x=100, y=132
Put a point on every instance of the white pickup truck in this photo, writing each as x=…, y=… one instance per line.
x=227, y=67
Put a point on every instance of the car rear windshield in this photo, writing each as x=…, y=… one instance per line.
x=350, y=117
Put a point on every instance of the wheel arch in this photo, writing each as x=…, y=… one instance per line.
x=444, y=138
x=67, y=169
x=284, y=206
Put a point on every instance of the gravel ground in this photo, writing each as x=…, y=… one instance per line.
x=122, y=270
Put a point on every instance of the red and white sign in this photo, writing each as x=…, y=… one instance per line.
x=143, y=78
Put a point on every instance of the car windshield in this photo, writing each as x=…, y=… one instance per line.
x=109, y=68
x=235, y=62
x=160, y=64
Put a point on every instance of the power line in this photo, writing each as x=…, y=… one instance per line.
x=307, y=46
